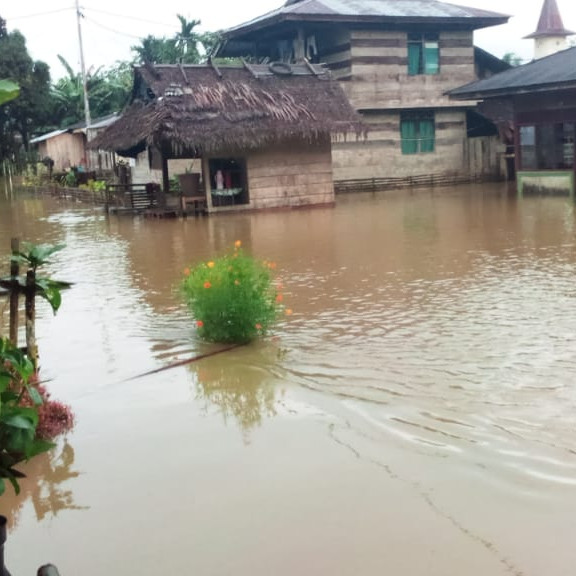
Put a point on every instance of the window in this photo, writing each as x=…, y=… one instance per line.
x=547, y=146
x=423, y=54
x=417, y=131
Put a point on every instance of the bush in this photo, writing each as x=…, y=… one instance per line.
x=232, y=298
x=29, y=419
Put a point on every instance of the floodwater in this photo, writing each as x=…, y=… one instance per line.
x=415, y=416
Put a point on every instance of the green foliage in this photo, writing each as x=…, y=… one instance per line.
x=233, y=298
x=512, y=58
x=187, y=46
x=8, y=91
x=20, y=117
x=18, y=422
x=34, y=256
x=108, y=91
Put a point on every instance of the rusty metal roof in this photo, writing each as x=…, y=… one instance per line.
x=408, y=11
x=550, y=23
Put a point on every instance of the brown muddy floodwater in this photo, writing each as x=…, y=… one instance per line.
x=415, y=416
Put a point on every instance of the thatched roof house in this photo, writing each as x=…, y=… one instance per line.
x=242, y=121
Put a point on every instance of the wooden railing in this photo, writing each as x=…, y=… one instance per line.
x=135, y=197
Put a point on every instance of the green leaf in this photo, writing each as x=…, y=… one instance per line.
x=8, y=91
x=15, y=484
x=35, y=396
x=19, y=421
x=2, y=486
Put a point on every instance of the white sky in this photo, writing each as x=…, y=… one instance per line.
x=110, y=27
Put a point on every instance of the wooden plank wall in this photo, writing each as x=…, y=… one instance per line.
x=66, y=150
x=290, y=176
x=334, y=50
x=380, y=155
x=379, y=61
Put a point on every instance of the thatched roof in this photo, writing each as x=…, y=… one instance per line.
x=194, y=110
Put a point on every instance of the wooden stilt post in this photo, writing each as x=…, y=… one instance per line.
x=30, y=307
x=14, y=294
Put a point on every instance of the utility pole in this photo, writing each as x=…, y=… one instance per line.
x=83, y=68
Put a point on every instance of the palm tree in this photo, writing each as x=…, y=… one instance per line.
x=187, y=41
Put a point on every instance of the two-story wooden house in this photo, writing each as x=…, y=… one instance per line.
x=396, y=59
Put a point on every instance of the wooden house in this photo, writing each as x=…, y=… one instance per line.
x=537, y=101
x=395, y=59
x=263, y=133
x=68, y=147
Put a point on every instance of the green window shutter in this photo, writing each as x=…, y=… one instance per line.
x=431, y=58
x=414, y=59
x=409, y=138
x=427, y=136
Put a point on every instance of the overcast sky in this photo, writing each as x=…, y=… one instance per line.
x=111, y=27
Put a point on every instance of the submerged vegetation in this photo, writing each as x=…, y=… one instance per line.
x=29, y=418
x=232, y=298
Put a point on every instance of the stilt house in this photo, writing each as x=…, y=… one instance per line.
x=536, y=104
x=396, y=59
x=263, y=132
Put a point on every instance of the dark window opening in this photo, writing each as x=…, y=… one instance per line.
x=547, y=146
x=423, y=54
x=228, y=181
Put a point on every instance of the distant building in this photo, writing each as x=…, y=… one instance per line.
x=67, y=147
x=538, y=102
x=550, y=36
x=395, y=59
x=535, y=108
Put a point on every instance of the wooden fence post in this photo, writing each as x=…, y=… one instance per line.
x=14, y=293
x=30, y=307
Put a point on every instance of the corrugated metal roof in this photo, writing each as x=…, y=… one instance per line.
x=97, y=124
x=372, y=9
x=556, y=71
x=45, y=137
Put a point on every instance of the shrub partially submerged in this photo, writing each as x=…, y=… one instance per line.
x=232, y=298
x=29, y=419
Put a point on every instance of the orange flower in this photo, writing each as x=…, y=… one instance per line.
x=279, y=298
x=237, y=244
x=186, y=271
x=210, y=264
x=207, y=285
x=258, y=326
x=288, y=311
x=272, y=265
x=200, y=324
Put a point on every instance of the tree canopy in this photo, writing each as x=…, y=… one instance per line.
x=19, y=117
x=187, y=46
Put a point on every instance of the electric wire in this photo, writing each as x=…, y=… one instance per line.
x=38, y=14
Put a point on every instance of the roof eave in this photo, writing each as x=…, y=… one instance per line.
x=549, y=34
x=474, y=23
x=509, y=92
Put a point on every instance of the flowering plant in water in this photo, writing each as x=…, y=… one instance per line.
x=233, y=298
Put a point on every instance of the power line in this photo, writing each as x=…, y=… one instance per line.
x=173, y=26
x=38, y=14
x=104, y=27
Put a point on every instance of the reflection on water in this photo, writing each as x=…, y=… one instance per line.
x=47, y=486
x=426, y=378
x=240, y=385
